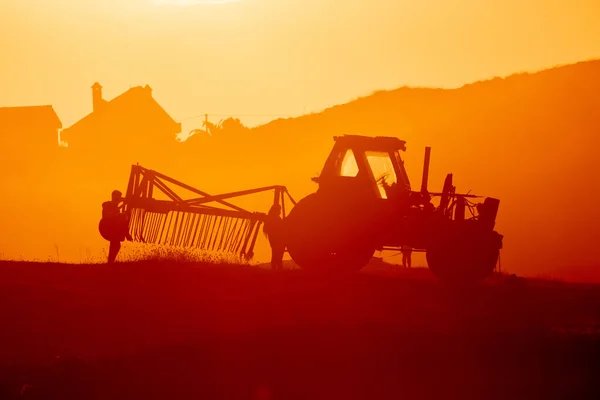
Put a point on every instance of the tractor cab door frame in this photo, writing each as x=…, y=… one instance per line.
x=402, y=177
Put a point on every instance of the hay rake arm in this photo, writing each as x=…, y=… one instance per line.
x=192, y=223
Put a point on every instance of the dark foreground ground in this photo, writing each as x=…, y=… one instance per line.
x=159, y=331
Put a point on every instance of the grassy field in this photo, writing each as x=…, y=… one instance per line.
x=167, y=330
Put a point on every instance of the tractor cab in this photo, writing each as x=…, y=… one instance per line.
x=367, y=166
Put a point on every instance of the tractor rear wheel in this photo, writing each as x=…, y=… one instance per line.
x=464, y=259
x=324, y=236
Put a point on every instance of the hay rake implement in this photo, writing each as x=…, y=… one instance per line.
x=192, y=223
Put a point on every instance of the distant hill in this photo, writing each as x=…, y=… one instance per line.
x=530, y=139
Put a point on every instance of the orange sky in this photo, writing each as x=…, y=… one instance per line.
x=275, y=57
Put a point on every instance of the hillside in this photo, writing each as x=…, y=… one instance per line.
x=529, y=139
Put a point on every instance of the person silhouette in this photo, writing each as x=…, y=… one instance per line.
x=114, y=225
x=406, y=256
x=273, y=230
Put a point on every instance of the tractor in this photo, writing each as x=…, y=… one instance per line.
x=364, y=203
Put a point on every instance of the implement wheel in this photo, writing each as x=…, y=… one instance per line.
x=113, y=229
x=325, y=236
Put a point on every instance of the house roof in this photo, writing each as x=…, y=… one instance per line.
x=124, y=106
x=28, y=118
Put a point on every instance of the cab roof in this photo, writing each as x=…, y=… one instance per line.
x=375, y=143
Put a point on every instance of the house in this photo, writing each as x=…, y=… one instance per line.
x=129, y=122
x=30, y=128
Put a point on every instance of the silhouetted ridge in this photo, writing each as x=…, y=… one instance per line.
x=559, y=77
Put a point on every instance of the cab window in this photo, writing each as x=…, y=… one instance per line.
x=382, y=167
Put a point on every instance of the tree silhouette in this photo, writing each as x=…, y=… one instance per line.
x=229, y=126
x=233, y=126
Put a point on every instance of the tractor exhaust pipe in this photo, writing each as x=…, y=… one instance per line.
x=426, y=170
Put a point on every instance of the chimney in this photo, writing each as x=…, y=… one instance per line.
x=97, y=100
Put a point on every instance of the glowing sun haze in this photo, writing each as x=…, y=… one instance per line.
x=193, y=2
x=260, y=59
